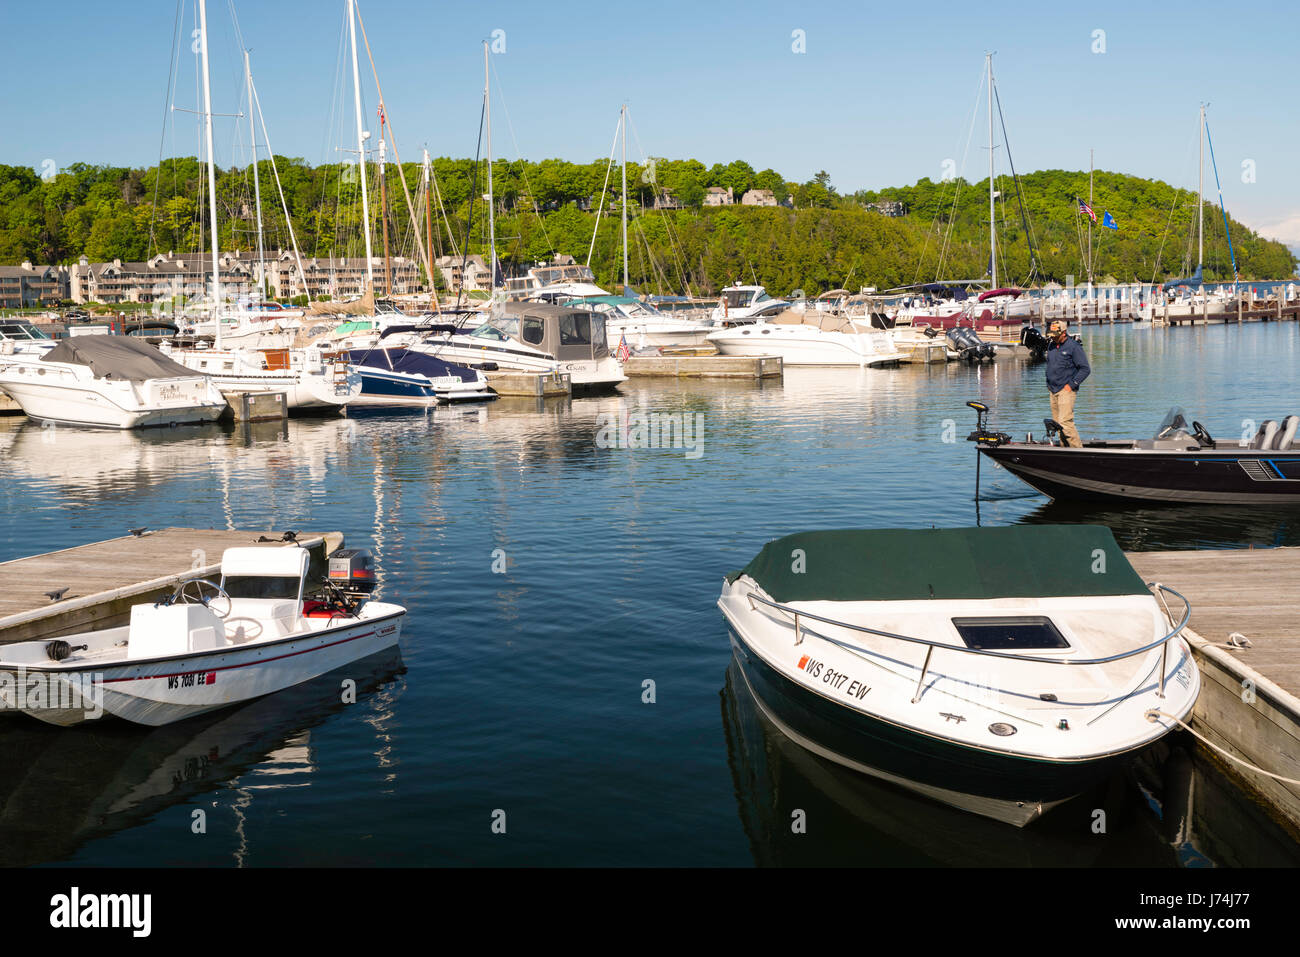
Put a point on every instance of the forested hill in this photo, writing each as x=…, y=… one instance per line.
x=826, y=240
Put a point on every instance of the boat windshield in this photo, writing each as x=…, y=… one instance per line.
x=20, y=330
x=1174, y=424
x=261, y=586
x=500, y=329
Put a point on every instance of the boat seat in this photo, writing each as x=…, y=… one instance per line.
x=1264, y=437
x=1286, y=434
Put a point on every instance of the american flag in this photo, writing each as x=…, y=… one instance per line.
x=1086, y=210
x=623, y=350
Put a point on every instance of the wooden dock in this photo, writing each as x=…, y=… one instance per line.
x=1250, y=697
x=104, y=579
x=532, y=385
x=705, y=367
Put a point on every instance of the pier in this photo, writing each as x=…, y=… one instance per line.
x=1250, y=696
x=102, y=580
x=705, y=367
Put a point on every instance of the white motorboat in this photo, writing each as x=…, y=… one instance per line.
x=642, y=325
x=312, y=380
x=23, y=338
x=745, y=304
x=534, y=337
x=113, y=382
x=1001, y=670
x=208, y=645
x=810, y=338
x=554, y=282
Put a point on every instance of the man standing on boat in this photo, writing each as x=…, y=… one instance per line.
x=1067, y=367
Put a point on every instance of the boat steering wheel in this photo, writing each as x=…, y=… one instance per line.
x=247, y=637
x=192, y=593
x=1202, y=436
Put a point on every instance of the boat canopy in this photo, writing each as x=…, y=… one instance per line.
x=994, y=293
x=955, y=293
x=1193, y=280
x=119, y=357
x=1022, y=561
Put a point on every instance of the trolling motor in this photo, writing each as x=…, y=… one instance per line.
x=982, y=435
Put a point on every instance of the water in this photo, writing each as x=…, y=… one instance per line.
x=521, y=692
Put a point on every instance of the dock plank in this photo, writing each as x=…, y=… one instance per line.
x=1250, y=591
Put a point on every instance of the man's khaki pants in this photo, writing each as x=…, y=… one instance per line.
x=1063, y=412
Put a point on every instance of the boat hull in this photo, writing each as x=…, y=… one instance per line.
x=84, y=407
x=160, y=691
x=1231, y=476
x=1009, y=788
x=799, y=348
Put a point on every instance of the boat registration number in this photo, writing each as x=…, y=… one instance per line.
x=832, y=678
x=191, y=679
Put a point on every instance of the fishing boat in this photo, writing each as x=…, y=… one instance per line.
x=1180, y=465
x=111, y=382
x=1000, y=670
x=263, y=628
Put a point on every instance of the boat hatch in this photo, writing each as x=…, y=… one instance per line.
x=1022, y=633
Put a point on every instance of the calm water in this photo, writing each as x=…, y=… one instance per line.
x=522, y=690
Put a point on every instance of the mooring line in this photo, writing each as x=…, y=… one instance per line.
x=1154, y=712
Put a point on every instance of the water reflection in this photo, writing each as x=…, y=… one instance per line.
x=62, y=787
x=1139, y=528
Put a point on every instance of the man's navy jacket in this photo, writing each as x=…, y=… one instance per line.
x=1066, y=365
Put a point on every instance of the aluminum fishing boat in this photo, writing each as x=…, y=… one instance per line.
x=111, y=382
x=1000, y=670
x=1181, y=465
x=208, y=645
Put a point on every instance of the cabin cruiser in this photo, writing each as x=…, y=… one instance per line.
x=547, y=283
x=253, y=325
x=313, y=381
x=534, y=337
x=1181, y=465
x=739, y=304
x=810, y=338
x=113, y=382
x=641, y=325
x=988, y=668
x=263, y=628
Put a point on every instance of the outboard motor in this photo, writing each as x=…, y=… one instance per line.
x=1033, y=340
x=968, y=345
x=352, y=571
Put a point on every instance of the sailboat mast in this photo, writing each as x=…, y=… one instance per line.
x=212, y=169
x=487, y=119
x=428, y=230
x=257, y=186
x=361, y=143
x=623, y=122
x=1200, y=197
x=383, y=207
x=993, y=229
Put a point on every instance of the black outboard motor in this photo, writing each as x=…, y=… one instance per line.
x=969, y=346
x=1033, y=340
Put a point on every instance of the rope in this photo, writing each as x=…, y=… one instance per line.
x=1156, y=712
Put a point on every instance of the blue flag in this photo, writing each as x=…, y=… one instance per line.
x=1108, y=221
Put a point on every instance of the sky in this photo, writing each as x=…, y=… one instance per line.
x=875, y=94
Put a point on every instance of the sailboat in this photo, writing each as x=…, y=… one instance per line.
x=310, y=379
x=1201, y=302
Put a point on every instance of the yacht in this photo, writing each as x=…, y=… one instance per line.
x=642, y=325
x=565, y=281
x=745, y=304
x=532, y=337
x=811, y=338
x=113, y=382
x=23, y=338
x=991, y=669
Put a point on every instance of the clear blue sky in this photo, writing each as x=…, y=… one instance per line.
x=882, y=96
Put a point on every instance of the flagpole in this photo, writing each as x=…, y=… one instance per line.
x=1090, y=168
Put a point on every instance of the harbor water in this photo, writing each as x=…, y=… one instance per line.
x=564, y=694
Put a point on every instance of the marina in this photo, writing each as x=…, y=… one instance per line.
x=402, y=472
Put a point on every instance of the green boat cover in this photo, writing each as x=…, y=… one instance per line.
x=899, y=564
